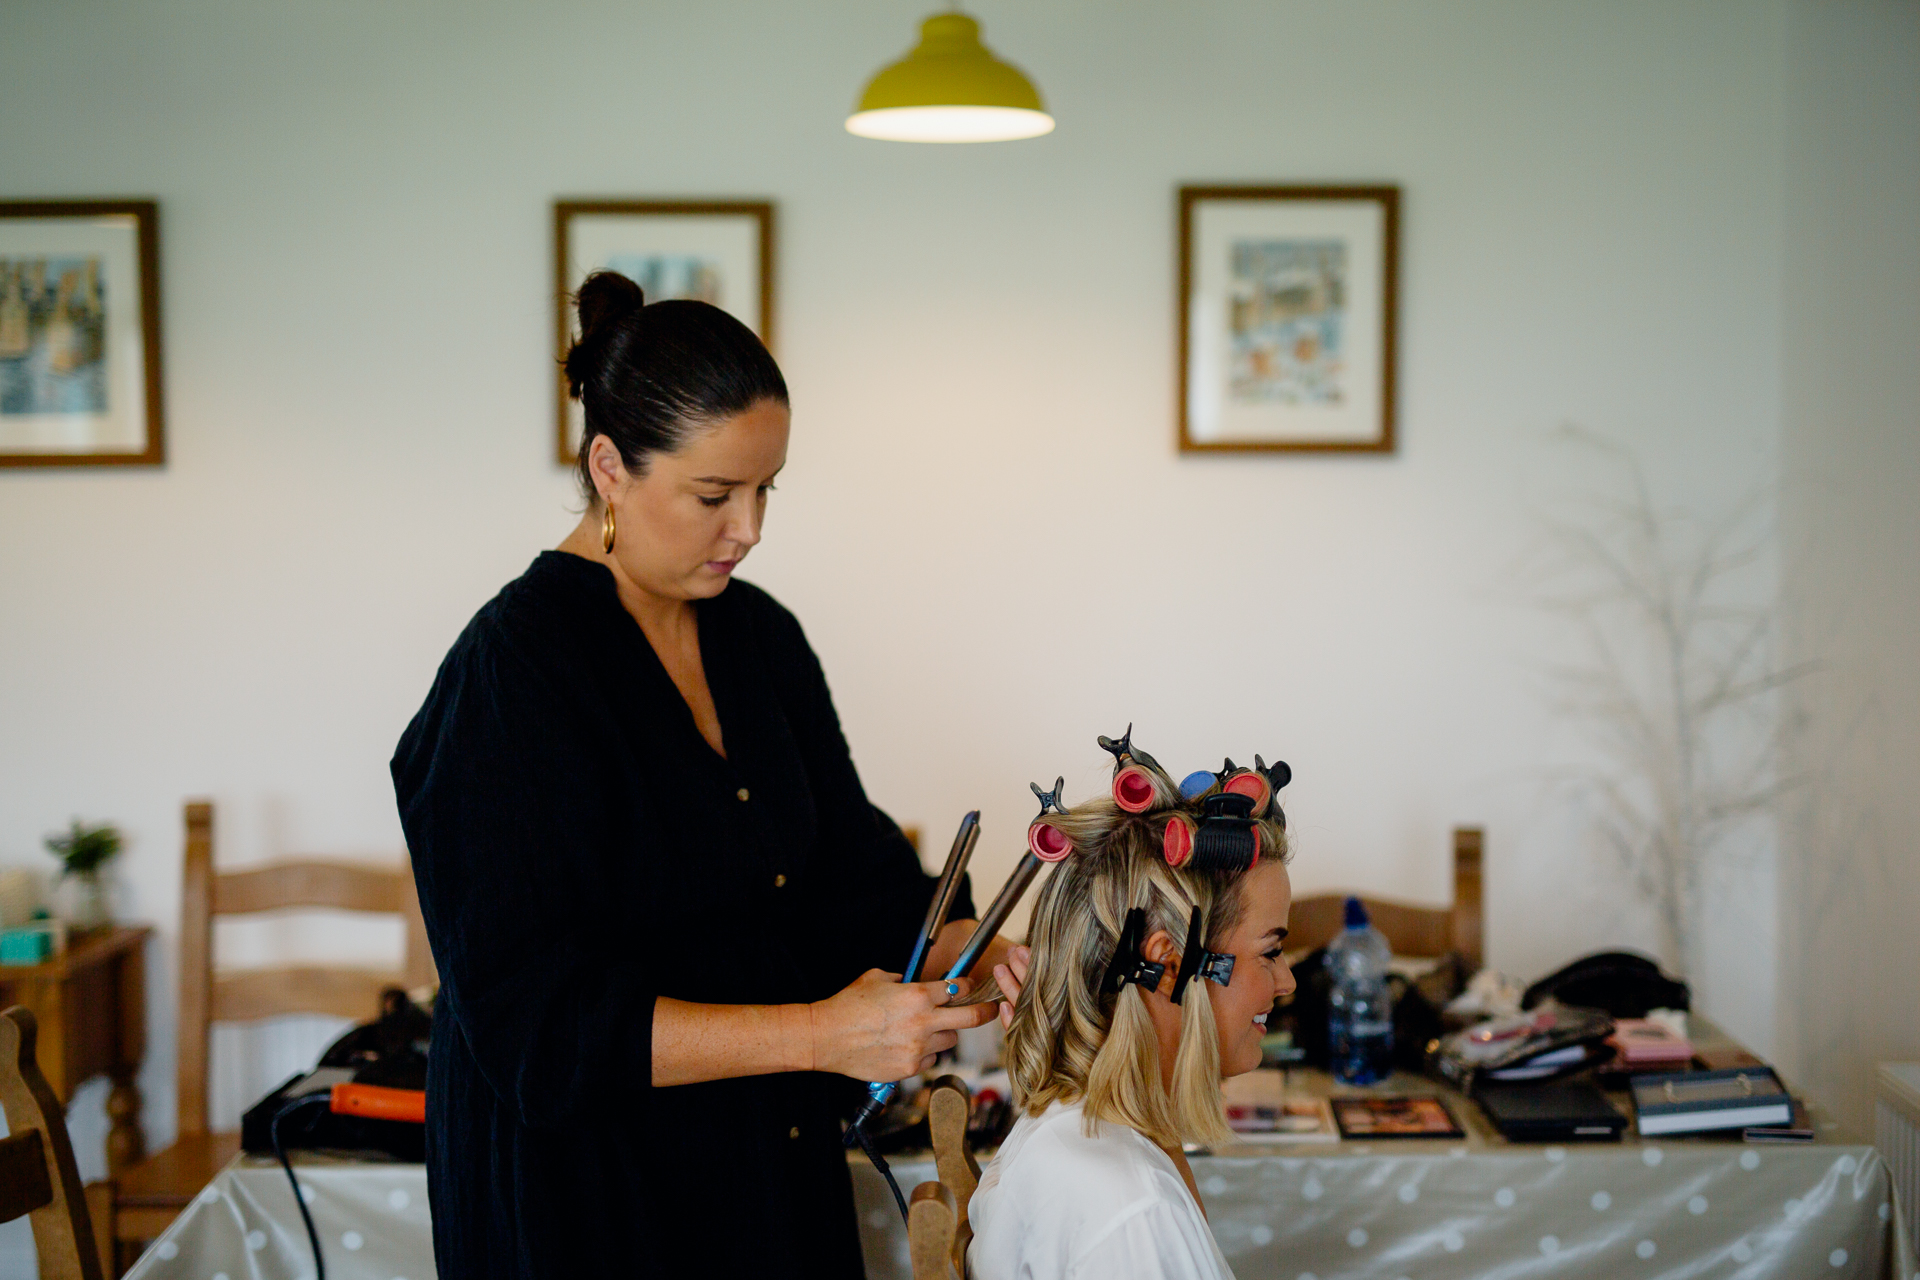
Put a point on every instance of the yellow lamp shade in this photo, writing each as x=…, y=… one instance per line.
x=950, y=89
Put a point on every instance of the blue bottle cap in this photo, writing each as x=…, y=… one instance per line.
x=1196, y=783
x=1357, y=914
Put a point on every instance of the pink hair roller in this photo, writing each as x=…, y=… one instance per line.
x=1176, y=844
x=1252, y=785
x=1048, y=842
x=1133, y=789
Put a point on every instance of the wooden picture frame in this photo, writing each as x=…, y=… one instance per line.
x=721, y=250
x=80, y=351
x=1288, y=318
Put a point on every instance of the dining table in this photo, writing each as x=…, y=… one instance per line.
x=1473, y=1207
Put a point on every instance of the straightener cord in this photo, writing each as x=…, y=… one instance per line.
x=313, y=1237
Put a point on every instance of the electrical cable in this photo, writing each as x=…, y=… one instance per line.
x=313, y=1237
x=859, y=1133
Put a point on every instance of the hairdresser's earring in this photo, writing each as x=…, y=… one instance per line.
x=606, y=529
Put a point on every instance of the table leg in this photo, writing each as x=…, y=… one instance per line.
x=126, y=1143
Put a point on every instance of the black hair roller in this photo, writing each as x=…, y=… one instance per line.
x=1225, y=844
x=1228, y=837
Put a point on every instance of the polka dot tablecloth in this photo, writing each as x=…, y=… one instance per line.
x=1704, y=1208
x=1373, y=1212
x=372, y=1220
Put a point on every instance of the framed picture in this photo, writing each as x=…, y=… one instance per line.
x=718, y=251
x=80, y=334
x=1287, y=318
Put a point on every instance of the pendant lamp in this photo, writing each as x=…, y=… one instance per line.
x=950, y=89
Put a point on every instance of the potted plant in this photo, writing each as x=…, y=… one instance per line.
x=84, y=852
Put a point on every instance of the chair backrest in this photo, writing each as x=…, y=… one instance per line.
x=251, y=994
x=938, y=1232
x=1412, y=930
x=933, y=1224
x=38, y=1177
x=949, y=1107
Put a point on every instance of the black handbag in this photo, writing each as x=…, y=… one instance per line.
x=1619, y=982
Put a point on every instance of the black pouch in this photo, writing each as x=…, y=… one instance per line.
x=1617, y=982
x=1549, y=1042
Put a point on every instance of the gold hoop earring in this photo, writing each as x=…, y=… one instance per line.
x=606, y=531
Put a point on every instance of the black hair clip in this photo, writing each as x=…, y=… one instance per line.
x=1196, y=961
x=1128, y=965
x=1227, y=804
x=1217, y=967
x=1279, y=774
x=1050, y=800
x=1124, y=752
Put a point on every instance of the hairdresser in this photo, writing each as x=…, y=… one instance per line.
x=660, y=902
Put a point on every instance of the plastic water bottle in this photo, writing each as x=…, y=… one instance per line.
x=1360, y=1007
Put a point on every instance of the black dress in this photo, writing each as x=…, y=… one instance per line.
x=580, y=850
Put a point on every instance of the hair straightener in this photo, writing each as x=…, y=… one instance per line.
x=880, y=1092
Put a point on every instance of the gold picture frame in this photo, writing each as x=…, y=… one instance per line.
x=719, y=250
x=80, y=352
x=1287, y=315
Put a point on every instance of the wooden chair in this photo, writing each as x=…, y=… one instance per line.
x=1412, y=930
x=151, y=1194
x=938, y=1232
x=38, y=1177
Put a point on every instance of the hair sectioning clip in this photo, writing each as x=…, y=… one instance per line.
x=1196, y=961
x=1278, y=775
x=1128, y=965
x=1046, y=841
x=1124, y=752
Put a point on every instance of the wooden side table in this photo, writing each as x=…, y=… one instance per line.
x=91, y=1004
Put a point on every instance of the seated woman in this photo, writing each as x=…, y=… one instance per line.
x=1155, y=959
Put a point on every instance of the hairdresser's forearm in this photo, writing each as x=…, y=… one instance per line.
x=695, y=1042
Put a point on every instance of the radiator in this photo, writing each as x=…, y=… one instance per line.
x=1896, y=1124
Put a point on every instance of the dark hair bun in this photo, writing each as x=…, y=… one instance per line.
x=648, y=376
x=605, y=297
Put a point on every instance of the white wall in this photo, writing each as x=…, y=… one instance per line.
x=1851, y=468
x=355, y=202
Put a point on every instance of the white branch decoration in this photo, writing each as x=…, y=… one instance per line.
x=1676, y=683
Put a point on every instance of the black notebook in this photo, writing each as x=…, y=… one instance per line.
x=1551, y=1111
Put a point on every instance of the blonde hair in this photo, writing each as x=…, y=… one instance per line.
x=1073, y=1041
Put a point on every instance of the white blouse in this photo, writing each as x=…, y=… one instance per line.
x=1056, y=1204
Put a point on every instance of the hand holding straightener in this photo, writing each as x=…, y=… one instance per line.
x=883, y=1029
